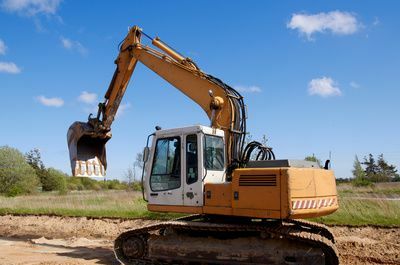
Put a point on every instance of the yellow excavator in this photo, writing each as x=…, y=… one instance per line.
x=245, y=205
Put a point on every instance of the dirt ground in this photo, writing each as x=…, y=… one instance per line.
x=44, y=240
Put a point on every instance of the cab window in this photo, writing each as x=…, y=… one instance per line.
x=191, y=159
x=166, y=169
x=214, y=153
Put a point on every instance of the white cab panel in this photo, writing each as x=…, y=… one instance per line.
x=162, y=173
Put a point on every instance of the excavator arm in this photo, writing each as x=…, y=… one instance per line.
x=222, y=104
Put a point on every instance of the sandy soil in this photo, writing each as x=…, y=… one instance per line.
x=44, y=251
x=44, y=240
x=368, y=245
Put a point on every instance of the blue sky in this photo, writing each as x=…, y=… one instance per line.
x=317, y=77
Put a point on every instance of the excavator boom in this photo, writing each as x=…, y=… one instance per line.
x=222, y=104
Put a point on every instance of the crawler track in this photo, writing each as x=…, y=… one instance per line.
x=304, y=239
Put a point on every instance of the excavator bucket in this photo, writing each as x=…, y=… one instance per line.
x=87, y=150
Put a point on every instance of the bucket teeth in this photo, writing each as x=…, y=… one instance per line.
x=89, y=168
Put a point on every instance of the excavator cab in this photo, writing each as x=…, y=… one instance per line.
x=87, y=150
x=180, y=161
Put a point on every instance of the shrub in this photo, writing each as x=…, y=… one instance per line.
x=54, y=179
x=16, y=175
x=116, y=185
x=89, y=184
x=83, y=183
x=74, y=183
x=136, y=185
x=362, y=182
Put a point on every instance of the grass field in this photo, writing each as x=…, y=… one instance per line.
x=378, y=205
x=112, y=203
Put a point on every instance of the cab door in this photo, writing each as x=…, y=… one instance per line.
x=166, y=172
x=193, y=185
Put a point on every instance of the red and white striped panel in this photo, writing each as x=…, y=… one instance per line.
x=313, y=203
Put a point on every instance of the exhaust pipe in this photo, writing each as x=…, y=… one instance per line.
x=87, y=150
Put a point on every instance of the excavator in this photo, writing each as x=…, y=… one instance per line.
x=240, y=204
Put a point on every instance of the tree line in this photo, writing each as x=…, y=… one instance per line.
x=26, y=174
x=368, y=171
x=371, y=171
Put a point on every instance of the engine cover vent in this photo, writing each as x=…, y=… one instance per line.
x=257, y=180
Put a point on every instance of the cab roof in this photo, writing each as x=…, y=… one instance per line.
x=188, y=130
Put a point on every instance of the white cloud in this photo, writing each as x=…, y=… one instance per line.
x=9, y=68
x=31, y=7
x=324, y=87
x=354, y=84
x=67, y=43
x=3, y=47
x=73, y=45
x=50, y=102
x=376, y=21
x=248, y=89
x=337, y=22
x=88, y=98
x=122, y=108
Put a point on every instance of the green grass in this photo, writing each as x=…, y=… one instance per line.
x=362, y=212
x=358, y=206
x=391, y=188
x=121, y=204
x=361, y=206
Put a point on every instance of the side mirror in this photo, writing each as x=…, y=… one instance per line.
x=146, y=152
